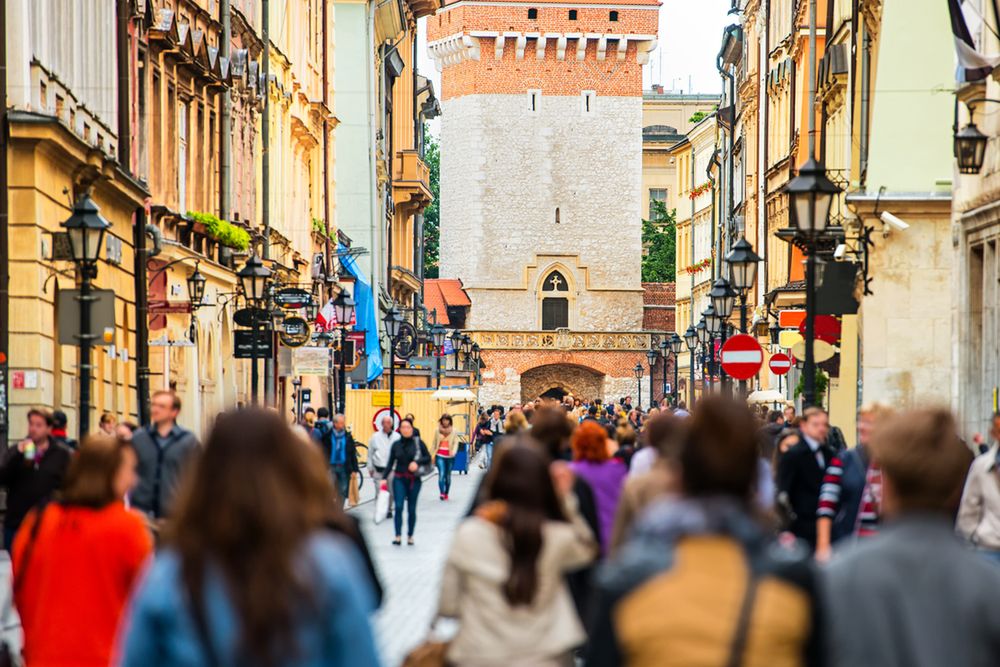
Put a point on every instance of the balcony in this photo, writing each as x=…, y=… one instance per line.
x=411, y=181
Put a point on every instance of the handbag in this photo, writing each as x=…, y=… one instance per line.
x=381, y=501
x=738, y=646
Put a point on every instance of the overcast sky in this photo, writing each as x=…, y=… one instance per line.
x=684, y=60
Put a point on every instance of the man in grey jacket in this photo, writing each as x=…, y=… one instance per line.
x=163, y=450
x=915, y=595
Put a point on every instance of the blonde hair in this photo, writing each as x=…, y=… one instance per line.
x=516, y=422
x=878, y=411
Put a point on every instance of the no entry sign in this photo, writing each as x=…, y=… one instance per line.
x=780, y=363
x=742, y=357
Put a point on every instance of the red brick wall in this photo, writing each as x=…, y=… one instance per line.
x=509, y=76
x=613, y=363
x=656, y=315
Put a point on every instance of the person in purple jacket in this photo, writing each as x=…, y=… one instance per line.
x=592, y=462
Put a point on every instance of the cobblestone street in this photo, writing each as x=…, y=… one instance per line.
x=411, y=575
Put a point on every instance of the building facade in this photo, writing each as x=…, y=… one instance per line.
x=545, y=239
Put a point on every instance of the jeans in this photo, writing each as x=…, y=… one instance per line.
x=341, y=479
x=489, y=454
x=405, y=490
x=444, y=465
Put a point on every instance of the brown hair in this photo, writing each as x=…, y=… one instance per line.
x=172, y=394
x=590, y=443
x=553, y=429
x=664, y=431
x=442, y=418
x=44, y=413
x=923, y=458
x=520, y=479
x=719, y=455
x=516, y=422
x=811, y=412
x=252, y=499
x=107, y=418
x=90, y=479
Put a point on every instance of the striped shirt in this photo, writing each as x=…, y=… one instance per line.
x=871, y=497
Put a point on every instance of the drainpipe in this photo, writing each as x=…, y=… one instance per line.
x=326, y=186
x=265, y=137
x=4, y=250
x=140, y=229
x=762, y=152
x=226, y=118
x=123, y=64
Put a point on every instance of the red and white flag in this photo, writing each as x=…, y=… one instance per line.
x=326, y=319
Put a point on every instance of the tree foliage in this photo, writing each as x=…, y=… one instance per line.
x=432, y=216
x=659, y=239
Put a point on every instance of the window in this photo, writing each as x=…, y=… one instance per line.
x=587, y=99
x=555, y=313
x=557, y=215
x=534, y=100
x=656, y=195
x=613, y=16
x=532, y=13
x=572, y=15
x=555, y=282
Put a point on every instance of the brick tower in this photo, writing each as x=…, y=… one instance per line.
x=541, y=158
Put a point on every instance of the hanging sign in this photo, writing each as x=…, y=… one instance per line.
x=295, y=332
x=244, y=317
x=292, y=298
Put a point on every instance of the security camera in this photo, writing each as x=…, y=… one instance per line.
x=840, y=252
x=893, y=221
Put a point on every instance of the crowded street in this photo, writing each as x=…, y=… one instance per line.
x=500, y=333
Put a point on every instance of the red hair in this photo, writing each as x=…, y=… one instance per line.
x=590, y=443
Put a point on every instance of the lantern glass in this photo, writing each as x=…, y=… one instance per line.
x=638, y=371
x=970, y=149
x=651, y=356
x=476, y=353
x=392, y=320
x=712, y=321
x=723, y=298
x=742, y=261
x=253, y=277
x=690, y=338
x=438, y=334
x=702, y=333
x=456, y=339
x=86, y=227
x=196, y=287
x=811, y=194
x=466, y=344
x=343, y=306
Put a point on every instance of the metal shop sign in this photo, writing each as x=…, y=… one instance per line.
x=295, y=332
x=292, y=298
x=246, y=346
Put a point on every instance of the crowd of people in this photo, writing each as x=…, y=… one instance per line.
x=600, y=534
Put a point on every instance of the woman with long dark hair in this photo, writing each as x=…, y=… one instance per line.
x=76, y=559
x=504, y=579
x=250, y=575
x=406, y=458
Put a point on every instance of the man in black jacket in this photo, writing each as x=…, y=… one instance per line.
x=801, y=471
x=339, y=449
x=32, y=471
x=163, y=450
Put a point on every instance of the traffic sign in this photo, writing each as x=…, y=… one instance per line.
x=790, y=319
x=384, y=412
x=780, y=363
x=825, y=327
x=742, y=357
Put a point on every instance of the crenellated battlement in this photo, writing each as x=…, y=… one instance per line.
x=462, y=46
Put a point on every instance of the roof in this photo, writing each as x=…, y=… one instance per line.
x=440, y=293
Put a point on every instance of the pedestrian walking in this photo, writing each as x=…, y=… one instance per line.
x=379, y=446
x=108, y=423
x=77, y=558
x=774, y=423
x=504, y=577
x=800, y=474
x=32, y=471
x=407, y=458
x=339, y=449
x=979, y=513
x=164, y=450
x=496, y=429
x=914, y=595
x=484, y=438
x=850, y=500
x=59, y=434
x=605, y=475
x=250, y=575
x=445, y=448
x=756, y=602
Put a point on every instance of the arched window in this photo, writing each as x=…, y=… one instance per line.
x=555, y=304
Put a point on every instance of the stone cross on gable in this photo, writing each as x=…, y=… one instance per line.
x=555, y=281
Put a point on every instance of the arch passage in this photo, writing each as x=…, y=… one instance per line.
x=547, y=380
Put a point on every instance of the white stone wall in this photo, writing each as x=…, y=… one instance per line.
x=504, y=172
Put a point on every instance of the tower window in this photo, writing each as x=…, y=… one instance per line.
x=557, y=215
x=613, y=16
x=532, y=13
x=555, y=313
x=534, y=100
x=572, y=15
x=587, y=99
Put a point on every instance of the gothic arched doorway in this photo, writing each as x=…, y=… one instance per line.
x=560, y=380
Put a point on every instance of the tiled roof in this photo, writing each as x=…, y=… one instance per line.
x=439, y=293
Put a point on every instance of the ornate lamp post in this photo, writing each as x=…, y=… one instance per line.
x=86, y=227
x=254, y=277
x=392, y=321
x=438, y=334
x=651, y=356
x=344, y=306
x=970, y=149
x=466, y=348
x=675, y=346
x=196, y=288
x=456, y=345
x=638, y=381
x=811, y=194
x=691, y=341
x=477, y=357
x=723, y=298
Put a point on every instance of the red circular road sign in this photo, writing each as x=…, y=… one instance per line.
x=826, y=328
x=742, y=357
x=780, y=363
x=384, y=412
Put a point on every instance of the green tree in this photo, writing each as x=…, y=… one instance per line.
x=432, y=214
x=659, y=264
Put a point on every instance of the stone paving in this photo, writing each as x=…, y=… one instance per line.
x=411, y=575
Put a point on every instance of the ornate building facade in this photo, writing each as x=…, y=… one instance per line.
x=546, y=238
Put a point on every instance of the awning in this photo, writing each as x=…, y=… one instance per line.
x=766, y=396
x=455, y=395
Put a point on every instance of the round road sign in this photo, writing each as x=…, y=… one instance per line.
x=742, y=357
x=780, y=363
x=384, y=412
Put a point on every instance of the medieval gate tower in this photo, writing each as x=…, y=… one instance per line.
x=541, y=160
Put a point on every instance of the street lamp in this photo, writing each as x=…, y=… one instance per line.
x=638, y=382
x=691, y=341
x=675, y=346
x=477, y=356
x=701, y=331
x=970, y=149
x=343, y=308
x=196, y=288
x=85, y=227
x=811, y=195
x=456, y=345
x=393, y=321
x=723, y=298
x=651, y=356
x=665, y=351
x=438, y=336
